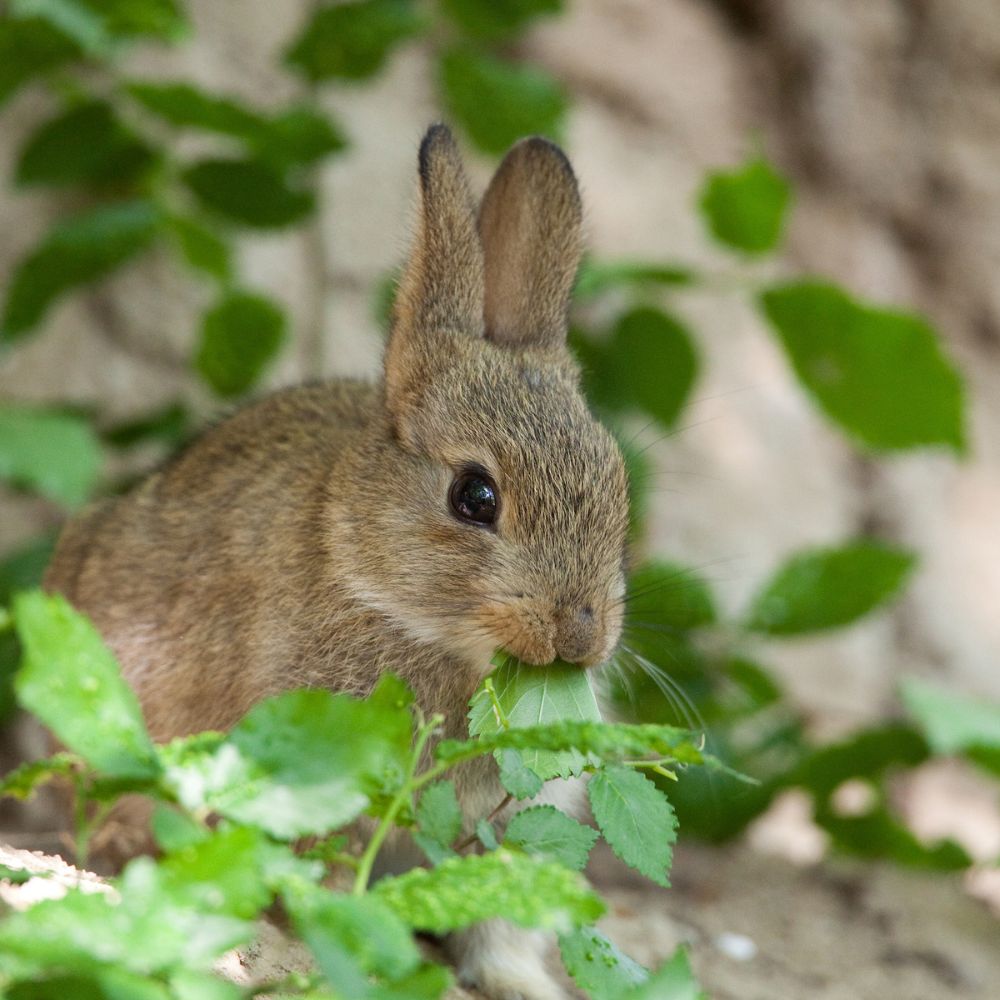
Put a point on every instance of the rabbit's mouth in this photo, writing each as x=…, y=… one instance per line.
x=575, y=633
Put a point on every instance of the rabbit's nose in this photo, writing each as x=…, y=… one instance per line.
x=576, y=633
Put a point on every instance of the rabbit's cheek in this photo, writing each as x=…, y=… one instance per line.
x=519, y=629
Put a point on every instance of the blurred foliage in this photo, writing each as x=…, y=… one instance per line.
x=880, y=376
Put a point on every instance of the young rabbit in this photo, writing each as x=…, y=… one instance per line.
x=466, y=502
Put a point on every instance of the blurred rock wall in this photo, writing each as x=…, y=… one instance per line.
x=886, y=115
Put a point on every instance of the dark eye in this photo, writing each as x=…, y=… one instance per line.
x=473, y=497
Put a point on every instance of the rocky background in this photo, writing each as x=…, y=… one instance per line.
x=886, y=117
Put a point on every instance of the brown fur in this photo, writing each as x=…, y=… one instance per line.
x=308, y=539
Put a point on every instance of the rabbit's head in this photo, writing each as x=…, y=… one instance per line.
x=499, y=514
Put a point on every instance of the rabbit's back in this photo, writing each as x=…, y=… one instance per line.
x=198, y=578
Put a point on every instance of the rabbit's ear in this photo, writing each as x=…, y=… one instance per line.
x=441, y=291
x=530, y=225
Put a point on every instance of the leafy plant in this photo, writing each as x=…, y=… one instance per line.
x=311, y=763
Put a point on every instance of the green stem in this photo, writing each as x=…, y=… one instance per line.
x=367, y=860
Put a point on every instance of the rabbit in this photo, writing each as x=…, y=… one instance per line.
x=467, y=501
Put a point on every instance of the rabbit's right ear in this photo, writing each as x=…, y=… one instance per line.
x=441, y=291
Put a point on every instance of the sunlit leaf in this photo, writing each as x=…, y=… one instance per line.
x=879, y=373
x=745, y=208
x=825, y=588
x=498, y=102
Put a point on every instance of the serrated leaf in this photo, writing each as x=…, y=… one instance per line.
x=23, y=781
x=250, y=192
x=606, y=740
x=461, y=891
x=497, y=102
x=596, y=277
x=54, y=454
x=353, y=40
x=148, y=929
x=516, y=777
x=879, y=373
x=745, y=209
x=598, y=966
x=546, y=831
x=497, y=19
x=84, y=145
x=636, y=819
x=673, y=980
x=300, y=763
x=651, y=365
x=220, y=873
x=351, y=937
x=825, y=588
x=439, y=815
x=239, y=337
x=29, y=48
x=71, y=681
x=953, y=723
x=534, y=696
x=77, y=251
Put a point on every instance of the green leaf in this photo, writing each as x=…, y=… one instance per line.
x=80, y=250
x=486, y=835
x=23, y=781
x=668, y=596
x=86, y=144
x=163, y=19
x=546, y=831
x=351, y=937
x=745, y=209
x=498, y=102
x=673, y=980
x=597, y=277
x=74, y=19
x=239, y=336
x=185, y=105
x=298, y=136
x=221, y=873
x=535, y=696
x=169, y=425
x=175, y=830
x=609, y=741
x=879, y=373
x=824, y=588
x=497, y=19
x=651, y=364
x=201, y=249
x=953, y=723
x=636, y=820
x=25, y=566
x=598, y=966
x=300, y=763
x=29, y=48
x=54, y=454
x=71, y=681
x=188, y=985
x=439, y=815
x=250, y=192
x=461, y=891
x=516, y=777
x=152, y=927
x=353, y=40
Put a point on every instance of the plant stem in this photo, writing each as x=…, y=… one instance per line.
x=367, y=860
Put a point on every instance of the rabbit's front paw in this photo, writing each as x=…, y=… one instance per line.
x=505, y=962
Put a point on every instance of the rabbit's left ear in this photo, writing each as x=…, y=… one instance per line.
x=530, y=224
